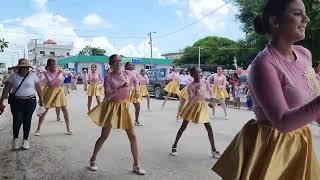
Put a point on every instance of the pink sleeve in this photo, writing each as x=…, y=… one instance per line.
x=133, y=77
x=88, y=77
x=267, y=90
x=208, y=86
x=100, y=79
x=107, y=87
x=210, y=78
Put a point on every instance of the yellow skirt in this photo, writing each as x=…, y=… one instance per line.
x=112, y=114
x=54, y=97
x=173, y=87
x=144, y=91
x=259, y=151
x=219, y=93
x=94, y=90
x=132, y=97
x=195, y=112
x=184, y=93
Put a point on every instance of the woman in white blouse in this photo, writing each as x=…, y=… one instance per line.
x=23, y=86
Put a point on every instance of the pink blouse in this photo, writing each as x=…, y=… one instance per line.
x=52, y=79
x=284, y=93
x=219, y=80
x=197, y=91
x=143, y=80
x=117, y=86
x=174, y=76
x=94, y=78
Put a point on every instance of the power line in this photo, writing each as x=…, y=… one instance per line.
x=194, y=22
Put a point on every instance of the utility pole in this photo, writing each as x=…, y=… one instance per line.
x=35, y=51
x=199, y=57
x=150, y=42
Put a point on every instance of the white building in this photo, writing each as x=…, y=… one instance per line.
x=177, y=55
x=39, y=53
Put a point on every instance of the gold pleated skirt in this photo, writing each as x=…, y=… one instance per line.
x=54, y=97
x=144, y=90
x=132, y=97
x=112, y=114
x=261, y=152
x=173, y=87
x=184, y=93
x=94, y=90
x=195, y=112
x=219, y=93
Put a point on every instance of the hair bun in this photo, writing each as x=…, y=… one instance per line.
x=259, y=25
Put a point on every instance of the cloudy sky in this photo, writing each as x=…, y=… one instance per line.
x=119, y=26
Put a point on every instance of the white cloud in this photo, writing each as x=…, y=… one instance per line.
x=201, y=8
x=222, y=17
x=42, y=24
x=40, y=5
x=93, y=21
x=179, y=13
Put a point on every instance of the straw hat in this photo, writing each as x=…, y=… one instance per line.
x=23, y=63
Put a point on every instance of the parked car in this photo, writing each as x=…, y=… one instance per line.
x=158, y=79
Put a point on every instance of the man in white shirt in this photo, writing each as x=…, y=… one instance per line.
x=184, y=79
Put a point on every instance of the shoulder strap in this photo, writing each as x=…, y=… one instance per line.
x=21, y=83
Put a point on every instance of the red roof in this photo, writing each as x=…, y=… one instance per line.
x=49, y=41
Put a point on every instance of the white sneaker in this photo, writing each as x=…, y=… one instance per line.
x=138, y=124
x=216, y=154
x=93, y=166
x=226, y=118
x=69, y=132
x=15, y=144
x=138, y=170
x=174, y=152
x=25, y=145
x=37, y=133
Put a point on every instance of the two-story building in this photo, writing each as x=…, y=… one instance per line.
x=39, y=53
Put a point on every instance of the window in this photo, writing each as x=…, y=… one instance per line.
x=162, y=73
x=42, y=52
x=52, y=53
x=154, y=74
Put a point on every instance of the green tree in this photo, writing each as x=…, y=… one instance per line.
x=248, y=10
x=214, y=50
x=92, y=51
x=3, y=44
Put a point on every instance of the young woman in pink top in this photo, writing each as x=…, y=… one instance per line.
x=53, y=94
x=113, y=112
x=94, y=88
x=196, y=110
x=219, y=91
x=173, y=86
x=144, y=81
x=285, y=92
x=183, y=94
x=136, y=101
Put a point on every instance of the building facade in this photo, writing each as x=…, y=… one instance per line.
x=81, y=63
x=39, y=53
x=173, y=55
